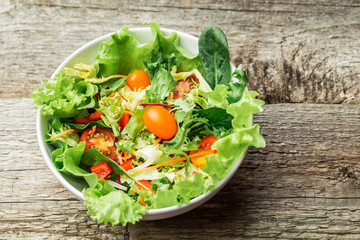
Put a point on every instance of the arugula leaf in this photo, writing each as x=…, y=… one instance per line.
x=214, y=55
x=161, y=86
x=217, y=117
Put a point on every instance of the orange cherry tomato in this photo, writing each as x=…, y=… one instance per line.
x=160, y=122
x=137, y=80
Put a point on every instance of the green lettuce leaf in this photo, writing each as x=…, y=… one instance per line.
x=114, y=207
x=64, y=96
x=123, y=54
x=191, y=187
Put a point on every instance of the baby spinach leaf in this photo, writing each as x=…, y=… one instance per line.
x=237, y=88
x=214, y=56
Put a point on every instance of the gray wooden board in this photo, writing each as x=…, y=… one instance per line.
x=304, y=184
x=295, y=51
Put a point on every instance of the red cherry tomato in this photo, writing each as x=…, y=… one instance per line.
x=207, y=142
x=102, y=170
x=125, y=118
x=160, y=122
x=145, y=183
x=138, y=80
x=102, y=139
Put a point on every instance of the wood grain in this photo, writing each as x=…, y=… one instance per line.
x=304, y=184
x=295, y=51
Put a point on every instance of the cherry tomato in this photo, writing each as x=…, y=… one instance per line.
x=125, y=118
x=138, y=80
x=207, y=142
x=160, y=122
x=102, y=170
x=102, y=139
x=145, y=183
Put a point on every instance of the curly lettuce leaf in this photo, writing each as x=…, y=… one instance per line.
x=123, y=54
x=114, y=207
x=64, y=96
x=161, y=86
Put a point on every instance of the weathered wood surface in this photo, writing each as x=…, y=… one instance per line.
x=296, y=51
x=304, y=184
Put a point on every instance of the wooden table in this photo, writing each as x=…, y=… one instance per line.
x=304, y=59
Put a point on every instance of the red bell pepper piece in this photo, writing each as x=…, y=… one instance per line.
x=102, y=170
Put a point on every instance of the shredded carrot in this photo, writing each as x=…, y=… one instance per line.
x=171, y=96
x=114, y=76
x=93, y=130
x=131, y=113
x=142, y=202
x=64, y=133
x=194, y=155
x=157, y=141
x=111, y=94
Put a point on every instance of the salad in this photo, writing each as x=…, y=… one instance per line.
x=149, y=126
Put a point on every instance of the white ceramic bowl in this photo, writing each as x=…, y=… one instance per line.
x=86, y=54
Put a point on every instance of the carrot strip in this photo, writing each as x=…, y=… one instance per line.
x=194, y=155
x=64, y=133
x=131, y=113
x=111, y=94
x=157, y=141
x=93, y=130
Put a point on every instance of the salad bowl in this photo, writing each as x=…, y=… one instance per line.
x=86, y=54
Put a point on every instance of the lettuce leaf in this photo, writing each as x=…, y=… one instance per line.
x=114, y=207
x=123, y=54
x=64, y=96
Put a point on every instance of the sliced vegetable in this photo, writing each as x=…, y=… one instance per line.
x=101, y=139
x=145, y=183
x=102, y=170
x=126, y=165
x=64, y=133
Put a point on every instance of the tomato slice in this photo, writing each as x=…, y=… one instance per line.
x=102, y=170
x=145, y=183
x=102, y=139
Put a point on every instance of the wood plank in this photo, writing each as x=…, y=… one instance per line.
x=304, y=184
x=295, y=51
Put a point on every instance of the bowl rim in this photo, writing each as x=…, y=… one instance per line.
x=193, y=203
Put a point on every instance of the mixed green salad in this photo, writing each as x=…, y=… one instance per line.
x=150, y=125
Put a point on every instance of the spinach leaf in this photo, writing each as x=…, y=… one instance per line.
x=237, y=88
x=214, y=56
x=217, y=117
